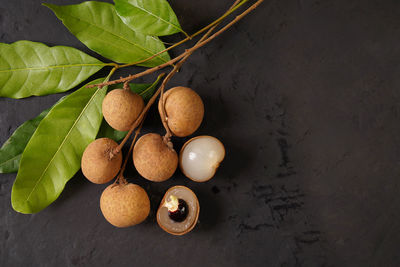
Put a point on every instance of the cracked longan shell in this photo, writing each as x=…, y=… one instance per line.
x=153, y=159
x=124, y=205
x=97, y=164
x=184, y=110
x=121, y=108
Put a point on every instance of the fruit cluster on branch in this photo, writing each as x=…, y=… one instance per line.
x=181, y=110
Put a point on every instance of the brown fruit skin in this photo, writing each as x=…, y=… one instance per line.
x=121, y=108
x=153, y=159
x=184, y=109
x=124, y=205
x=96, y=164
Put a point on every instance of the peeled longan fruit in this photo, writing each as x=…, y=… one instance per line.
x=153, y=159
x=184, y=110
x=97, y=163
x=121, y=108
x=200, y=157
x=124, y=205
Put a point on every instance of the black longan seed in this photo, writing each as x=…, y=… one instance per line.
x=181, y=213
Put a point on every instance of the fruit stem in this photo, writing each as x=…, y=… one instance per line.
x=126, y=86
x=121, y=177
x=187, y=51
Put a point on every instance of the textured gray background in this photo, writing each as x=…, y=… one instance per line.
x=305, y=96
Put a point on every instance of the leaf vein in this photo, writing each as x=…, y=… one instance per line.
x=53, y=67
x=158, y=17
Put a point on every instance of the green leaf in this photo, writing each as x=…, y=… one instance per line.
x=11, y=151
x=108, y=132
x=97, y=25
x=152, y=17
x=54, y=152
x=146, y=90
x=30, y=68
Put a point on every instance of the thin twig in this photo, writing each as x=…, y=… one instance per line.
x=120, y=177
x=143, y=73
x=194, y=48
x=188, y=38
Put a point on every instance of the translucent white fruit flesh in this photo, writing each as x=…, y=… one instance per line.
x=201, y=156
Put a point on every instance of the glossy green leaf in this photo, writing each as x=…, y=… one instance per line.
x=54, y=152
x=11, y=151
x=97, y=25
x=146, y=90
x=30, y=68
x=108, y=132
x=152, y=17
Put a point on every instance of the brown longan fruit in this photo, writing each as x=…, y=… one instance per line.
x=184, y=110
x=98, y=164
x=153, y=159
x=121, y=108
x=124, y=205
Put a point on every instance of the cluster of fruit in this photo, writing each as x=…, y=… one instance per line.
x=124, y=204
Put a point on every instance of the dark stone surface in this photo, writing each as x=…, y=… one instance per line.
x=305, y=96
